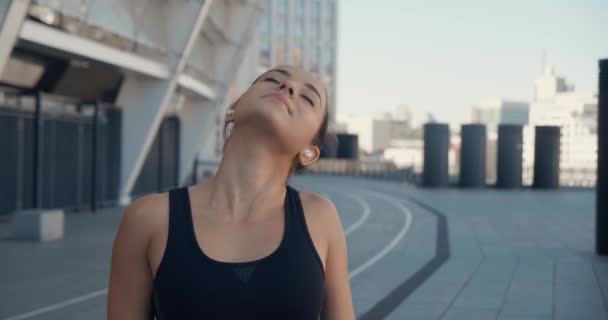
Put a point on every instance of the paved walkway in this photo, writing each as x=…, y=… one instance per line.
x=413, y=254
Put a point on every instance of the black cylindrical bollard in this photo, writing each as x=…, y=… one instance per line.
x=546, y=157
x=601, y=223
x=473, y=156
x=329, y=152
x=330, y=149
x=348, y=146
x=436, y=144
x=509, y=165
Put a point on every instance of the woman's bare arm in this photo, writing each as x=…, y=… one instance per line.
x=338, y=297
x=130, y=289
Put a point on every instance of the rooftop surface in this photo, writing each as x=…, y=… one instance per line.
x=413, y=254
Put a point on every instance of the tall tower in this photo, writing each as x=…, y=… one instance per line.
x=301, y=33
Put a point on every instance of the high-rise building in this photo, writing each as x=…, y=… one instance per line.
x=493, y=112
x=302, y=33
x=557, y=104
x=554, y=103
x=395, y=135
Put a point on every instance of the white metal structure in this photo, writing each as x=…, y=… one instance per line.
x=296, y=32
x=179, y=57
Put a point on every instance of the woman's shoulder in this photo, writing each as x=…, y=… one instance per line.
x=317, y=202
x=145, y=215
x=147, y=206
x=320, y=211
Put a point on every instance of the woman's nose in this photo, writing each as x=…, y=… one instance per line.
x=288, y=85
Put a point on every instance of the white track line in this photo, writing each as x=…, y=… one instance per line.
x=88, y=296
x=366, y=213
x=59, y=305
x=362, y=202
x=406, y=226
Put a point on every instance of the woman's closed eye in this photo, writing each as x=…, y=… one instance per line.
x=309, y=100
x=272, y=80
x=305, y=97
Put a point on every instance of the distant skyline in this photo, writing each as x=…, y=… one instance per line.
x=444, y=56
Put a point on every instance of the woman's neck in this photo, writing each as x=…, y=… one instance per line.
x=251, y=177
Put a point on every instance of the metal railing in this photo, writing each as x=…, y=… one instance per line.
x=160, y=171
x=55, y=158
x=385, y=170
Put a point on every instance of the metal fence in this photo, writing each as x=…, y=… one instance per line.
x=58, y=159
x=161, y=168
x=385, y=170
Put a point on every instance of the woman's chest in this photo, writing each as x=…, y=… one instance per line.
x=288, y=284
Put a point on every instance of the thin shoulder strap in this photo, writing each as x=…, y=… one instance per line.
x=298, y=220
x=179, y=200
x=292, y=205
x=179, y=215
x=296, y=212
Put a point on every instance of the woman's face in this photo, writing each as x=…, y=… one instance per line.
x=287, y=103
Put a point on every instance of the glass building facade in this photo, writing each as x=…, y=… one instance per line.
x=300, y=33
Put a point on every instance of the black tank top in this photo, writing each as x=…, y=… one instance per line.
x=287, y=284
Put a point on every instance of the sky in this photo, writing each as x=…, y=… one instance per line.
x=444, y=56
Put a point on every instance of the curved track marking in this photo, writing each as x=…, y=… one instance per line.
x=59, y=305
x=406, y=226
x=366, y=213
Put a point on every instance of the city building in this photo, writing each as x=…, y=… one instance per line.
x=131, y=87
x=557, y=104
x=493, y=112
x=302, y=33
x=296, y=32
x=396, y=135
x=378, y=130
x=373, y=130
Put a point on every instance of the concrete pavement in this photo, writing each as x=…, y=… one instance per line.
x=413, y=254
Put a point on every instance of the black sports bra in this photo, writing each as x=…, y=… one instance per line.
x=287, y=284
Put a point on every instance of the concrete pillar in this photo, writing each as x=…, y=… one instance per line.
x=509, y=167
x=601, y=197
x=473, y=156
x=436, y=144
x=10, y=26
x=546, y=157
x=330, y=149
x=348, y=146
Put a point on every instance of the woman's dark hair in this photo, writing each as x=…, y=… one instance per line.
x=322, y=139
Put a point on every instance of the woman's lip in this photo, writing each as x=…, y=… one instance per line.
x=282, y=99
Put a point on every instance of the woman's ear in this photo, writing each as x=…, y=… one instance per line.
x=229, y=116
x=309, y=155
x=229, y=121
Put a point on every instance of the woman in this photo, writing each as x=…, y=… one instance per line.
x=245, y=244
